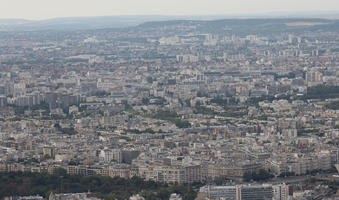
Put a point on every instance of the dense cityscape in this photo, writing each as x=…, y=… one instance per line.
x=187, y=109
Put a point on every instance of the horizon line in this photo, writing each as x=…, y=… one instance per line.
x=272, y=14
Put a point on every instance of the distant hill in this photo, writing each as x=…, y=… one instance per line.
x=10, y=22
x=77, y=23
x=87, y=23
x=249, y=26
x=211, y=24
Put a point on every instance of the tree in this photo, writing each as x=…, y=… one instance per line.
x=262, y=175
x=145, y=101
x=60, y=172
x=25, y=184
x=334, y=105
x=322, y=92
x=149, y=79
x=188, y=102
x=220, y=180
x=182, y=124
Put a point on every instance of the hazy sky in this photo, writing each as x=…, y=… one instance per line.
x=42, y=9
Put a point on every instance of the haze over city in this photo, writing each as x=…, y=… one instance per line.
x=45, y=9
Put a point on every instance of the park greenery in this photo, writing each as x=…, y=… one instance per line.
x=314, y=92
x=203, y=110
x=24, y=184
x=172, y=117
x=304, y=132
x=333, y=105
x=322, y=92
x=262, y=175
x=254, y=101
x=136, y=131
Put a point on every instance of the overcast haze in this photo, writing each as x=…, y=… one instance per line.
x=43, y=9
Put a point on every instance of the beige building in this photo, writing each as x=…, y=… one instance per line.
x=123, y=171
x=234, y=172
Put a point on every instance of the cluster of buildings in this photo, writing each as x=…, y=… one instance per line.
x=61, y=196
x=174, y=108
x=262, y=191
x=244, y=192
